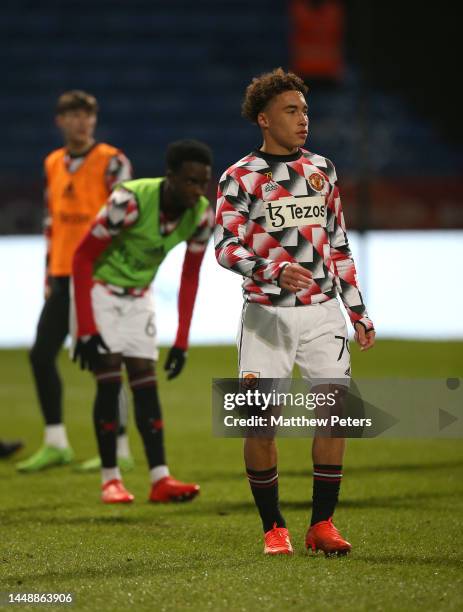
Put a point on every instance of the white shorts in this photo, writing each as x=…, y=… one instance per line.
x=271, y=339
x=126, y=323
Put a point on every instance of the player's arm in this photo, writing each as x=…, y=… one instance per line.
x=119, y=169
x=346, y=273
x=47, y=232
x=232, y=225
x=194, y=255
x=120, y=211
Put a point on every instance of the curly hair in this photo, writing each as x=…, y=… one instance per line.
x=265, y=87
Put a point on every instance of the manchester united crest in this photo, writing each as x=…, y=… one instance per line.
x=316, y=180
x=250, y=380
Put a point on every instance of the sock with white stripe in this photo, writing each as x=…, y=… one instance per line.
x=264, y=487
x=105, y=414
x=148, y=416
x=326, y=485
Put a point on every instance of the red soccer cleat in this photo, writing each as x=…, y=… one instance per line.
x=324, y=536
x=277, y=541
x=114, y=492
x=170, y=490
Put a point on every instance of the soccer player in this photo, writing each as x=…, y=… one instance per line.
x=112, y=272
x=79, y=178
x=279, y=224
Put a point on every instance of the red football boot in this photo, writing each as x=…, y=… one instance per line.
x=170, y=490
x=277, y=541
x=114, y=492
x=324, y=536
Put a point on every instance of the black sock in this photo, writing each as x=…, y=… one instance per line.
x=264, y=487
x=105, y=414
x=326, y=485
x=148, y=416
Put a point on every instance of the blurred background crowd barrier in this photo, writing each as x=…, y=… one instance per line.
x=383, y=106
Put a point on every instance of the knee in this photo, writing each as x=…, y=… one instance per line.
x=143, y=381
x=40, y=357
x=108, y=385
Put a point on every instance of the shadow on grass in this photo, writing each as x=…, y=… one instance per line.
x=48, y=507
x=127, y=570
x=163, y=517
x=211, y=476
x=156, y=564
x=410, y=502
x=408, y=560
x=394, y=468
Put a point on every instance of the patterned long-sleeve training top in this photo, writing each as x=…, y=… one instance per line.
x=278, y=209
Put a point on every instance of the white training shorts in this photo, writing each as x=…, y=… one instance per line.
x=126, y=323
x=271, y=339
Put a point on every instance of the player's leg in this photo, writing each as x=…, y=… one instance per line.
x=124, y=457
x=323, y=356
x=109, y=311
x=108, y=385
x=140, y=355
x=148, y=416
x=260, y=458
x=52, y=329
x=266, y=348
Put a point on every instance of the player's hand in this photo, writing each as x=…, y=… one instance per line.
x=366, y=339
x=86, y=351
x=175, y=362
x=294, y=277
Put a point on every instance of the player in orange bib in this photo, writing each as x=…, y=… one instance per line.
x=79, y=178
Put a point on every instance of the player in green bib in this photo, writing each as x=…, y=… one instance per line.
x=115, y=324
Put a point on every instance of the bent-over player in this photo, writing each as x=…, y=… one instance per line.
x=112, y=272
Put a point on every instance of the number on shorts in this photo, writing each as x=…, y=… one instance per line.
x=150, y=328
x=344, y=345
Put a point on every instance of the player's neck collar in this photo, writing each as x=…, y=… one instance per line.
x=83, y=153
x=278, y=158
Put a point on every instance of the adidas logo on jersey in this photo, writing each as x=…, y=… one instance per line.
x=270, y=187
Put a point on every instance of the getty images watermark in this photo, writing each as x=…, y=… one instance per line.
x=273, y=403
x=395, y=408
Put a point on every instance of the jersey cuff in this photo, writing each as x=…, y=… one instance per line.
x=367, y=324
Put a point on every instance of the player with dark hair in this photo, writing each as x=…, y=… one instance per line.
x=79, y=178
x=112, y=272
x=279, y=224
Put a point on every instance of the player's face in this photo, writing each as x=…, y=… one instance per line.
x=77, y=126
x=189, y=183
x=284, y=122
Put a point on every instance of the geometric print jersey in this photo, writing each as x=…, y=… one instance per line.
x=278, y=209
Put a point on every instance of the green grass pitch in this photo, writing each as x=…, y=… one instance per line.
x=401, y=508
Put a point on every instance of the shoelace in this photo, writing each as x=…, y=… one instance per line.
x=277, y=536
x=332, y=528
